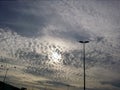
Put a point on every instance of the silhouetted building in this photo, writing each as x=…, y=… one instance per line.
x=4, y=86
x=23, y=88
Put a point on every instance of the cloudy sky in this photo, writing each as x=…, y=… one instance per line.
x=40, y=38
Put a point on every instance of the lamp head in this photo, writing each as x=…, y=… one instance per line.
x=83, y=41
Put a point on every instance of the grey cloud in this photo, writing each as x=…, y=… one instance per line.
x=28, y=53
x=45, y=72
x=115, y=83
x=54, y=83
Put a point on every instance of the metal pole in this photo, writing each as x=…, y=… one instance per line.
x=67, y=87
x=5, y=75
x=84, y=62
x=84, y=42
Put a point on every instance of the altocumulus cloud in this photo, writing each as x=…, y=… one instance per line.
x=33, y=32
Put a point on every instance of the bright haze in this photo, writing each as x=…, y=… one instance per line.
x=40, y=38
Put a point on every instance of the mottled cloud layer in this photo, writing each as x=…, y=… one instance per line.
x=41, y=39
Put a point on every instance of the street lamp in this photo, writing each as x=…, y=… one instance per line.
x=68, y=86
x=6, y=72
x=84, y=42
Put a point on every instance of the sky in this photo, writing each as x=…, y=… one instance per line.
x=41, y=39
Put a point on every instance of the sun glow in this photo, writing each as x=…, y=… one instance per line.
x=55, y=57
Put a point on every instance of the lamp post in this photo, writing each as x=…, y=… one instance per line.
x=68, y=86
x=6, y=74
x=84, y=42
